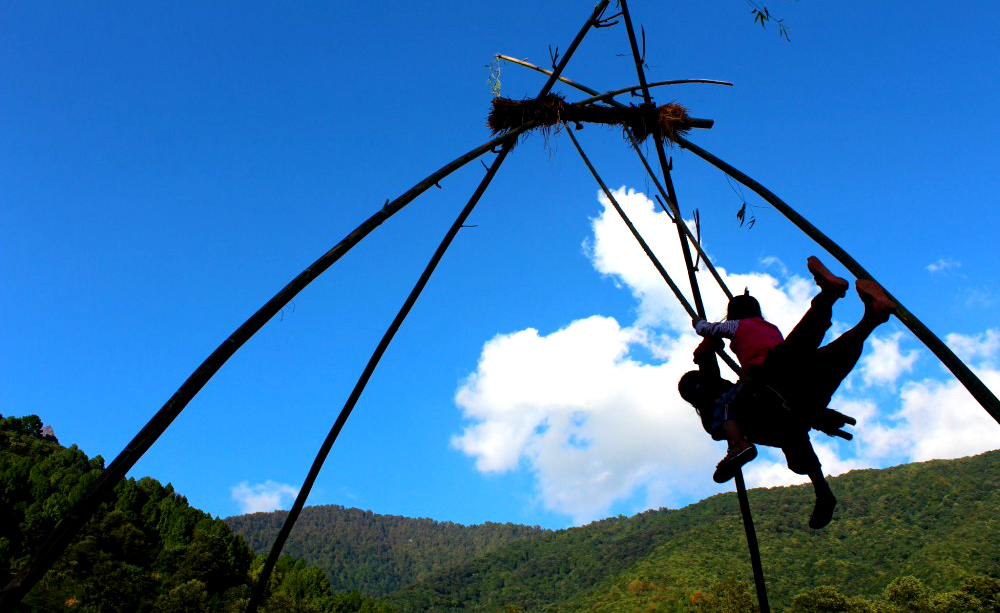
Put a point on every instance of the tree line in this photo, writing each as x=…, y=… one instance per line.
x=145, y=550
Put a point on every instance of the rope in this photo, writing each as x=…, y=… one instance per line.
x=741, y=491
x=758, y=572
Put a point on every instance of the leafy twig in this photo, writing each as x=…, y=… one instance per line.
x=762, y=15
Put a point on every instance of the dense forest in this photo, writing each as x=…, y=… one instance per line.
x=920, y=537
x=146, y=549
x=937, y=521
x=377, y=554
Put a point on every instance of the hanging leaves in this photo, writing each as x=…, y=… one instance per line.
x=742, y=214
x=763, y=16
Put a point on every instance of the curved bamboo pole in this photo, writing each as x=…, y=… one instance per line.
x=963, y=373
x=74, y=519
x=612, y=93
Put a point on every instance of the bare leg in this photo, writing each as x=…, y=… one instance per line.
x=837, y=359
x=802, y=460
x=803, y=341
x=732, y=431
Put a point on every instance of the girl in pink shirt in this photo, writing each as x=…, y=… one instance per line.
x=768, y=357
x=753, y=339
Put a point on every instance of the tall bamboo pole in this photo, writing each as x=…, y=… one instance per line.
x=260, y=587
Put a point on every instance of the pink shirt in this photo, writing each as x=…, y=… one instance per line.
x=752, y=337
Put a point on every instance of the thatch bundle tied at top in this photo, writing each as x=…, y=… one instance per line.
x=670, y=119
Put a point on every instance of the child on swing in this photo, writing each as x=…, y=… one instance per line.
x=794, y=371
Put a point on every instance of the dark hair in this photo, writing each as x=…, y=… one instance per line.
x=741, y=307
x=688, y=386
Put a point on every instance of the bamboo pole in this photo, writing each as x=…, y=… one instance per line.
x=611, y=93
x=963, y=373
x=691, y=237
x=755, y=565
x=260, y=587
x=74, y=519
x=642, y=243
x=668, y=182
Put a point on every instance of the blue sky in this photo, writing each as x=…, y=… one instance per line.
x=165, y=168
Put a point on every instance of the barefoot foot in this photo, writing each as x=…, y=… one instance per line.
x=826, y=280
x=877, y=303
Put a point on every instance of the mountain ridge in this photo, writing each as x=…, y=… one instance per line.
x=933, y=520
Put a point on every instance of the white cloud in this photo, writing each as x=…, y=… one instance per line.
x=885, y=363
x=596, y=426
x=589, y=421
x=770, y=470
x=978, y=298
x=943, y=265
x=984, y=346
x=615, y=252
x=833, y=463
x=942, y=420
x=262, y=497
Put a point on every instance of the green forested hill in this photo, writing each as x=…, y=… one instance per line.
x=145, y=549
x=376, y=554
x=916, y=538
x=937, y=521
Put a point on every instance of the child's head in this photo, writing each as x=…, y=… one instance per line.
x=741, y=307
x=688, y=387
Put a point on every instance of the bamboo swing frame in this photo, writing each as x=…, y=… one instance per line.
x=74, y=520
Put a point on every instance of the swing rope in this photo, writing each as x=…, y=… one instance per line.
x=658, y=140
x=608, y=98
x=642, y=243
x=758, y=572
x=741, y=491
